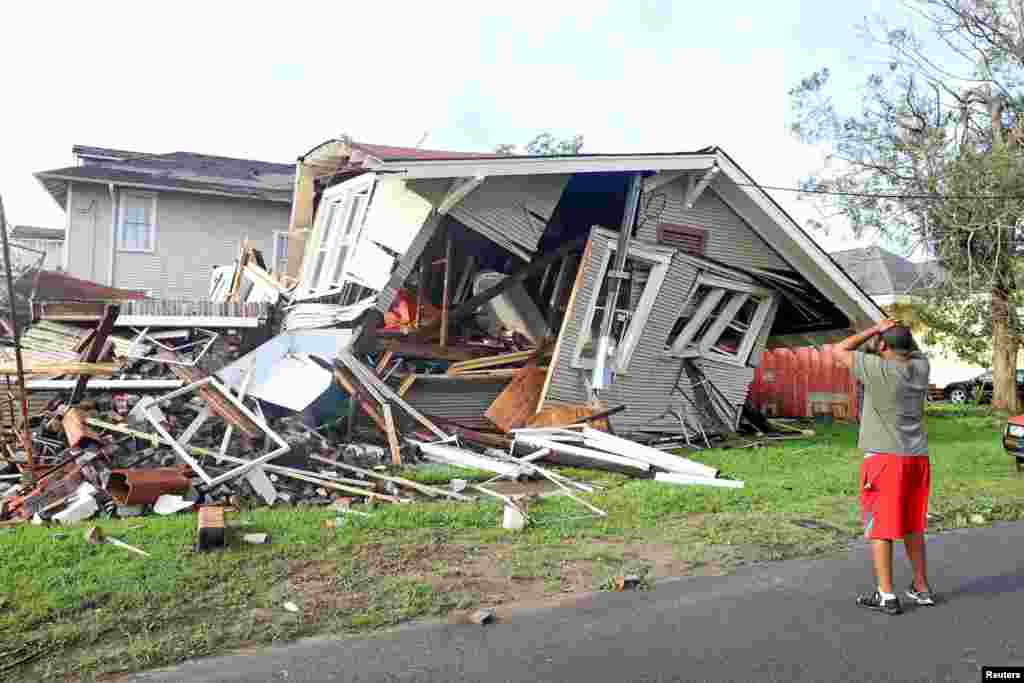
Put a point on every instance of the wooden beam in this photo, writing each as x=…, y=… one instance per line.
x=464, y=280
x=461, y=188
x=389, y=422
x=410, y=348
x=57, y=369
x=537, y=265
x=382, y=364
x=693, y=193
x=416, y=486
x=491, y=361
x=344, y=379
x=407, y=384
x=99, y=339
x=447, y=286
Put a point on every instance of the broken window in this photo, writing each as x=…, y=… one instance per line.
x=338, y=223
x=645, y=271
x=721, y=320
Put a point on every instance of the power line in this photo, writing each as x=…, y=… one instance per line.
x=874, y=195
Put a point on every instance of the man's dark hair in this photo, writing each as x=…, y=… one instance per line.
x=898, y=338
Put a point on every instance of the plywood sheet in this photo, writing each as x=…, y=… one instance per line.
x=519, y=400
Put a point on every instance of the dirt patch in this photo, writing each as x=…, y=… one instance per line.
x=494, y=575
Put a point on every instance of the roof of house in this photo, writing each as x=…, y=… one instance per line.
x=36, y=232
x=881, y=272
x=52, y=285
x=729, y=181
x=175, y=171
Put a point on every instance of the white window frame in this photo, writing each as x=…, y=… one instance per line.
x=345, y=234
x=685, y=346
x=279, y=236
x=659, y=258
x=119, y=233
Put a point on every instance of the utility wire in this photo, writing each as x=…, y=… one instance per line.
x=934, y=197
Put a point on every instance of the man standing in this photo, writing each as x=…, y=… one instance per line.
x=895, y=475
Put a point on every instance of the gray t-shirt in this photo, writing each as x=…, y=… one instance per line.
x=892, y=416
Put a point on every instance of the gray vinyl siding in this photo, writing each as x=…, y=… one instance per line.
x=88, y=237
x=459, y=400
x=729, y=239
x=194, y=233
x=652, y=376
x=500, y=209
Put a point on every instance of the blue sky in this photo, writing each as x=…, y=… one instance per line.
x=237, y=80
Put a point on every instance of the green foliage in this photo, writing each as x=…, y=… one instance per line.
x=932, y=158
x=91, y=609
x=546, y=144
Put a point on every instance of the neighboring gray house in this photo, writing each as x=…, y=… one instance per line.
x=894, y=281
x=49, y=241
x=161, y=222
x=889, y=278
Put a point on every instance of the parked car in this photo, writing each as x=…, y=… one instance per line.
x=963, y=392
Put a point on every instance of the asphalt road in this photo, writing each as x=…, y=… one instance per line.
x=791, y=621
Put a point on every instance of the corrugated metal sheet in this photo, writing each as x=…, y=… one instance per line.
x=789, y=382
x=459, y=400
x=729, y=239
x=501, y=209
x=407, y=263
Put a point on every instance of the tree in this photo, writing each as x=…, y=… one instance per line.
x=933, y=158
x=545, y=144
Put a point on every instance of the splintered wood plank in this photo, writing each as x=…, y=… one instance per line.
x=382, y=364
x=406, y=385
x=563, y=415
x=491, y=361
x=518, y=401
x=447, y=286
x=75, y=428
x=389, y=421
x=99, y=339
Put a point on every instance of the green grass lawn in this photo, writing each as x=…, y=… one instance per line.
x=80, y=611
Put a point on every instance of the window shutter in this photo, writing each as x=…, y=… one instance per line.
x=683, y=237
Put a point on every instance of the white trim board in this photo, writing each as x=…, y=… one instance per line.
x=466, y=168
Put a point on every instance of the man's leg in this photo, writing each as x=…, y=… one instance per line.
x=914, y=544
x=881, y=554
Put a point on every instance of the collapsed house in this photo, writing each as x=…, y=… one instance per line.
x=489, y=312
x=650, y=281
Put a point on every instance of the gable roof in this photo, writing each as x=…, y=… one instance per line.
x=175, y=171
x=881, y=272
x=737, y=189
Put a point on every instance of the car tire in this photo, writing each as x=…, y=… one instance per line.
x=958, y=395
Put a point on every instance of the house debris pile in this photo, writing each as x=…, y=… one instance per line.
x=475, y=312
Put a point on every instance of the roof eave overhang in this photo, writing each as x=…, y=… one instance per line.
x=457, y=168
x=744, y=196
x=50, y=181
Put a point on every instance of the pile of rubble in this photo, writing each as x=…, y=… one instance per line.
x=308, y=418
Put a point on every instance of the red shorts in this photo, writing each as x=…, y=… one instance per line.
x=894, y=495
